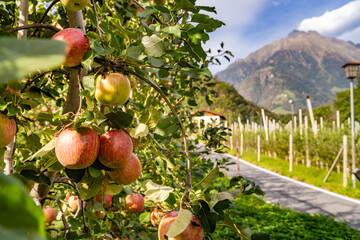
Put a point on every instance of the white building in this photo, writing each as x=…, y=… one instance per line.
x=210, y=118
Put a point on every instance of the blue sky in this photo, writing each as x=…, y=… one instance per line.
x=252, y=24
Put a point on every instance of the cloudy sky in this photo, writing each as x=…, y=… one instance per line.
x=251, y=24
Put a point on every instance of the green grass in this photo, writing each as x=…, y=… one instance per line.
x=312, y=175
x=283, y=223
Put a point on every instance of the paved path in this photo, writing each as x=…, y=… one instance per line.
x=296, y=195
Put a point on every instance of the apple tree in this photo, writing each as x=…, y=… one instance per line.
x=96, y=125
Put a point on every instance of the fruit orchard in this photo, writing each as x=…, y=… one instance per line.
x=95, y=102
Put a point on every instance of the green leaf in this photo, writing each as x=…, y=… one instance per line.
x=156, y=62
x=91, y=188
x=180, y=224
x=144, y=217
x=186, y=5
x=43, y=151
x=230, y=195
x=155, y=192
x=19, y=57
x=136, y=52
x=88, y=83
x=173, y=30
x=19, y=216
x=207, y=218
x=75, y=174
x=243, y=231
x=140, y=131
x=114, y=189
x=94, y=172
x=154, y=46
x=119, y=120
x=100, y=50
x=210, y=178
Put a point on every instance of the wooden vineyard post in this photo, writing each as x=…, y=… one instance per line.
x=307, y=143
x=334, y=163
x=300, y=121
x=258, y=148
x=231, y=137
x=237, y=148
x=345, y=161
x=337, y=119
x=290, y=152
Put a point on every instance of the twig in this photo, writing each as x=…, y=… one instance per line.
x=97, y=19
x=66, y=224
x=82, y=205
x=186, y=197
x=209, y=236
x=43, y=16
x=33, y=25
x=182, y=15
x=155, y=17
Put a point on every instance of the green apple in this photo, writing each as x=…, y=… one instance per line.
x=74, y=5
x=112, y=89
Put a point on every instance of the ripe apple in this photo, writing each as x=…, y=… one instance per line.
x=75, y=5
x=99, y=213
x=112, y=89
x=194, y=231
x=73, y=202
x=134, y=203
x=108, y=200
x=77, y=45
x=129, y=173
x=115, y=148
x=77, y=148
x=50, y=215
x=7, y=130
x=154, y=216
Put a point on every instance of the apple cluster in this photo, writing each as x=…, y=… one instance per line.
x=78, y=148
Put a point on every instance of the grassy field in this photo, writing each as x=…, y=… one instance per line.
x=312, y=175
x=282, y=223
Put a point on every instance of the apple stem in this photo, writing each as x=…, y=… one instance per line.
x=186, y=197
x=66, y=224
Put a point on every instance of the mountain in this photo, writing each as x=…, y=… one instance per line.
x=300, y=65
x=228, y=102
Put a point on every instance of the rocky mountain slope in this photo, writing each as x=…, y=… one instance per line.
x=300, y=65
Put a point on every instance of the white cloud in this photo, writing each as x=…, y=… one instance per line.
x=235, y=12
x=335, y=22
x=353, y=35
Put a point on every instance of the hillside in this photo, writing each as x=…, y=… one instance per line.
x=227, y=101
x=300, y=65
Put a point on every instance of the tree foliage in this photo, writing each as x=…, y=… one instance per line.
x=160, y=49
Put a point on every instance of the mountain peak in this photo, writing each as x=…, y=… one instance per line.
x=301, y=64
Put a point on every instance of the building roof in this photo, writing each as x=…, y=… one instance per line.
x=208, y=113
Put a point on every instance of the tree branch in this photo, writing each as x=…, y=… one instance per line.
x=81, y=205
x=35, y=25
x=155, y=17
x=43, y=16
x=66, y=224
x=186, y=197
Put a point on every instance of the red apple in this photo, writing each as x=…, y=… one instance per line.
x=129, y=173
x=108, y=200
x=112, y=89
x=194, y=231
x=134, y=203
x=50, y=214
x=73, y=202
x=99, y=213
x=115, y=148
x=154, y=216
x=77, y=45
x=7, y=130
x=77, y=148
